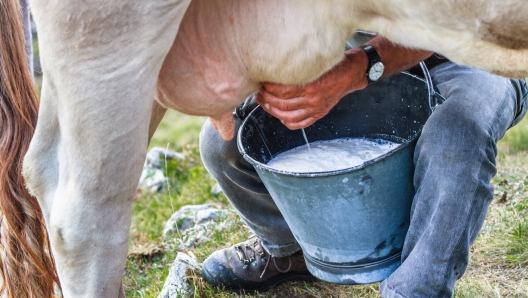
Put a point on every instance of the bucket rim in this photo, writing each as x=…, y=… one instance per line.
x=366, y=164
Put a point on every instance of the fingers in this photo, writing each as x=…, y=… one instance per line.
x=225, y=124
x=295, y=116
x=292, y=117
x=268, y=100
x=300, y=124
x=299, y=106
x=283, y=91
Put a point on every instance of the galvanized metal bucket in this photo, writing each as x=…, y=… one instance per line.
x=350, y=223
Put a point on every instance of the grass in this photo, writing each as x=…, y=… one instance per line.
x=177, y=130
x=499, y=258
x=516, y=139
x=498, y=265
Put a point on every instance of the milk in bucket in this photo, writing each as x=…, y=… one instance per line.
x=331, y=155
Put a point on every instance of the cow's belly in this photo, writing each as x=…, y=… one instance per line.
x=192, y=84
x=225, y=49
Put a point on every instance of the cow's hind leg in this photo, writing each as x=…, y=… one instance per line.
x=158, y=111
x=100, y=61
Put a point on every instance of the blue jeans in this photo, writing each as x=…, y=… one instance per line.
x=454, y=159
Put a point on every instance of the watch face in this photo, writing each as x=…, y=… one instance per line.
x=376, y=71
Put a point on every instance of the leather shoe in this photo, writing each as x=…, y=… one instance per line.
x=247, y=266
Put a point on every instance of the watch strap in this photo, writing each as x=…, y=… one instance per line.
x=372, y=56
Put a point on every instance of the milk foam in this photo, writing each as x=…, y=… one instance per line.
x=331, y=155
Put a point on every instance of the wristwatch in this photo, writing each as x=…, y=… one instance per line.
x=376, y=67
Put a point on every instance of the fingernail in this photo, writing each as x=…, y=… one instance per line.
x=267, y=106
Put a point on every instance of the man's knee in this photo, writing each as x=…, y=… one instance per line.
x=454, y=127
x=214, y=151
x=477, y=101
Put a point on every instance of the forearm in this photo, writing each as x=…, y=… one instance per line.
x=395, y=58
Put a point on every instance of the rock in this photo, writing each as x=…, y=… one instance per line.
x=153, y=177
x=205, y=215
x=196, y=224
x=176, y=284
x=190, y=215
x=194, y=236
x=156, y=156
x=202, y=233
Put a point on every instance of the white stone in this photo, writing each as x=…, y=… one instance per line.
x=157, y=155
x=176, y=284
x=153, y=177
x=190, y=215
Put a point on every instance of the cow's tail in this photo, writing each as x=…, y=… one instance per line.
x=27, y=267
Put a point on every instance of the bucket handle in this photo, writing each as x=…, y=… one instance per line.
x=434, y=97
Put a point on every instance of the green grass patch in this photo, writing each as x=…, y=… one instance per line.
x=512, y=203
x=515, y=139
x=177, y=130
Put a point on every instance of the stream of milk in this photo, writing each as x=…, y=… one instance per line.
x=331, y=155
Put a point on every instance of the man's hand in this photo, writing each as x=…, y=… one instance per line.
x=300, y=106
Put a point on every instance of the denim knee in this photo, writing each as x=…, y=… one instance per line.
x=216, y=153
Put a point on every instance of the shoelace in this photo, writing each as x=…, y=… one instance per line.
x=241, y=253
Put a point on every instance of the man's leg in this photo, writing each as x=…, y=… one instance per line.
x=248, y=195
x=246, y=192
x=455, y=161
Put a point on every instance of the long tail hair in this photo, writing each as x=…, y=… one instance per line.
x=27, y=268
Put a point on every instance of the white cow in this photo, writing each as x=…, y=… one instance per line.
x=111, y=68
